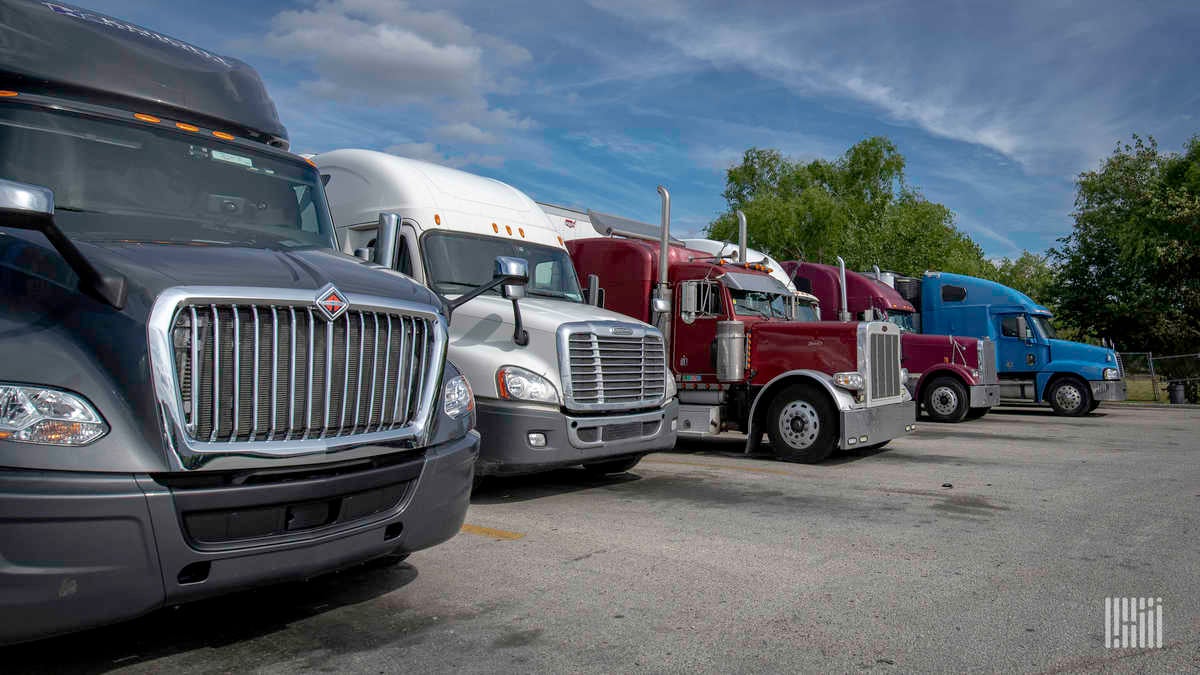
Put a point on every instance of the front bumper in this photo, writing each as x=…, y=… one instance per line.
x=1108, y=390
x=984, y=395
x=877, y=424
x=570, y=439
x=83, y=549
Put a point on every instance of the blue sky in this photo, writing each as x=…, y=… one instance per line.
x=996, y=106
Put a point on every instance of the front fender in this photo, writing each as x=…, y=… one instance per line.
x=842, y=399
x=1084, y=370
x=956, y=369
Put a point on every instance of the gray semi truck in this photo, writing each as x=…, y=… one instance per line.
x=198, y=392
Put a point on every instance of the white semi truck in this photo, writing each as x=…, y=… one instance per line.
x=558, y=381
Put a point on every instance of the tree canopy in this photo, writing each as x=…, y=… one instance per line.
x=1130, y=269
x=859, y=206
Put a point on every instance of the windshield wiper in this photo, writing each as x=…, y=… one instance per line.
x=550, y=294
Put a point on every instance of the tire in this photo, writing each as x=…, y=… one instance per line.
x=612, y=465
x=801, y=424
x=976, y=413
x=1069, y=396
x=945, y=400
x=1095, y=404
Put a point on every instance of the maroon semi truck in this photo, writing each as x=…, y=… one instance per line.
x=952, y=378
x=744, y=356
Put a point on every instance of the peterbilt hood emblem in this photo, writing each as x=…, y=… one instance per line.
x=331, y=302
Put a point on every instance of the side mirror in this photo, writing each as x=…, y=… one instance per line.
x=593, y=290
x=513, y=273
x=688, y=303
x=385, y=240
x=1023, y=328
x=31, y=207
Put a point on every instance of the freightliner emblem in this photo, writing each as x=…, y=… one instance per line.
x=331, y=302
x=622, y=331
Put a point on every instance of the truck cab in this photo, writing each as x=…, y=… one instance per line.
x=747, y=358
x=1033, y=363
x=198, y=392
x=559, y=382
x=952, y=377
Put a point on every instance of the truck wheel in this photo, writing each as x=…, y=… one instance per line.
x=613, y=465
x=1069, y=396
x=976, y=413
x=801, y=425
x=1095, y=404
x=946, y=400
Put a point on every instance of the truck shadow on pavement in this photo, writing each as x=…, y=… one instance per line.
x=214, y=624
x=734, y=450
x=1039, y=412
x=511, y=489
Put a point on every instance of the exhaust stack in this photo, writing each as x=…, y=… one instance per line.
x=741, y=236
x=663, y=292
x=878, y=274
x=844, y=309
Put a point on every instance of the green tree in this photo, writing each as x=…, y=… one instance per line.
x=1030, y=273
x=858, y=206
x=1130, y=269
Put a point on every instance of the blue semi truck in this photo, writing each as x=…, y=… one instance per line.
x=1033, y=364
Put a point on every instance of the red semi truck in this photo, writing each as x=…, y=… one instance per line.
x=952, y=378
x=742, y=359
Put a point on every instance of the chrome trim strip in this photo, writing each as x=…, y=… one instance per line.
x=191, y=426
x=257, y=358
x=345, y=378
x=274, y=373
x=292, y=377
x=374, y=371
x=362, y=344
x=216, y=375
x=387, y=366
x=328, y=371
x=237, y=374
x=399, y=377
x=192, y=454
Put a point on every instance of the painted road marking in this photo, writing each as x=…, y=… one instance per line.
x=492, y=532
x=727, y=467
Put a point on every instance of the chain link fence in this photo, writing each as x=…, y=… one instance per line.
x=1151, y=377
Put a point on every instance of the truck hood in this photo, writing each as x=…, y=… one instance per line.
x=543, y=315
x=1065, y=350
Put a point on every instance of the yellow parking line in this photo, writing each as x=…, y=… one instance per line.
x=491, y=532
x=727, y=467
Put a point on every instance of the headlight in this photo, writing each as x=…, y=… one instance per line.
x=1112, y=374
x=457, y=399
x=672, y=389
x=518, y=384
x=904, y=375
x=851, y=380
x=47, y=417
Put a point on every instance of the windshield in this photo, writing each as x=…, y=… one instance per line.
x=119, y=181
x=761, y=303
x=902, y=319
x=456, y=263
x=1044, y=326
x=806, y=312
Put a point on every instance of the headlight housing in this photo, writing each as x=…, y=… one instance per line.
x=672, y=389
x=851, y=380
x=1112, y=374
x=47, y=417
x=457, y=398
x=518, y=384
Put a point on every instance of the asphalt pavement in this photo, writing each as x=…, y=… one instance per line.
x=984, y=546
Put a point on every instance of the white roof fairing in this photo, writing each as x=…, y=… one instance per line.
x=372, y=182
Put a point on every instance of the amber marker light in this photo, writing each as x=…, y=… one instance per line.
x=7, y=93
x=146, y=118
x=437, y=219
x=222, y=135
x=186, y=127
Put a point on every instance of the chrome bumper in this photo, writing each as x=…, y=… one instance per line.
x=1108, y=390
x=868, y=426
x=985, y=395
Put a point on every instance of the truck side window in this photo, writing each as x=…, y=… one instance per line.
x=953, y=294
x=1008, y=327
x=699, y=300
x=404, y=258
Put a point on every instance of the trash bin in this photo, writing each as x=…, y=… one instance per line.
x=1175, y=392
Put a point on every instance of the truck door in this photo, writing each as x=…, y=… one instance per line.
x=695, y=327
x=1019, y=348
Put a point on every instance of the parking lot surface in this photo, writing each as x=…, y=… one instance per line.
x=705, y=560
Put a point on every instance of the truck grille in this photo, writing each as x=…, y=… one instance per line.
x=987, y=362
x=606, y=371
x=883, y=360
x=277, y=372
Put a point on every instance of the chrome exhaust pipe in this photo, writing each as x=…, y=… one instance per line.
x=741, y=236
x=844, y=310
x=663, y=292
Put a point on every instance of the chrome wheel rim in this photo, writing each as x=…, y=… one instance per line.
x=799, y=424
x=1068, y=397
x=944, y=401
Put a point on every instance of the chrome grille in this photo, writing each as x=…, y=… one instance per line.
x=987, y=362
x=607, y=371
x=275, y=372
x=884, y=363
